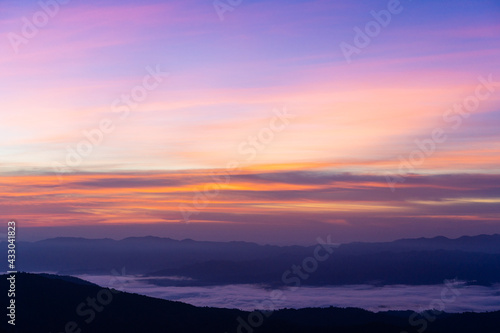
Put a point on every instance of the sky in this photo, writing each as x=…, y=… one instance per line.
x=267, y=121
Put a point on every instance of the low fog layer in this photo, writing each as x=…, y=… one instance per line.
x=248, y=297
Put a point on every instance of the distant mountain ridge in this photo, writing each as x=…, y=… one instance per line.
x=137, y=254
x=407, y=261
x=479, y=243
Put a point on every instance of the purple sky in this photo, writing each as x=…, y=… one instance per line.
x=368, y=121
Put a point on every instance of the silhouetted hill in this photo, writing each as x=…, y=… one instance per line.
x=52, y=304
x=412, y=268
x=47, y=304
x=480, y=243
x=137, y=254
x=67, y=278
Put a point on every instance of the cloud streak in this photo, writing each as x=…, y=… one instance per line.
x=310, y=200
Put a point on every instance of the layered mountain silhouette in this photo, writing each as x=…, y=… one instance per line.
x=409, y=261
x=50, y=303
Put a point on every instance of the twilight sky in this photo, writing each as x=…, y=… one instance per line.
x=270, y=121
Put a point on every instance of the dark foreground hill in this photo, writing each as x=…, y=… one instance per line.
x=57, y=304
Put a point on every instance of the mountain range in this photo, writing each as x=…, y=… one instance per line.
x=475, y=259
